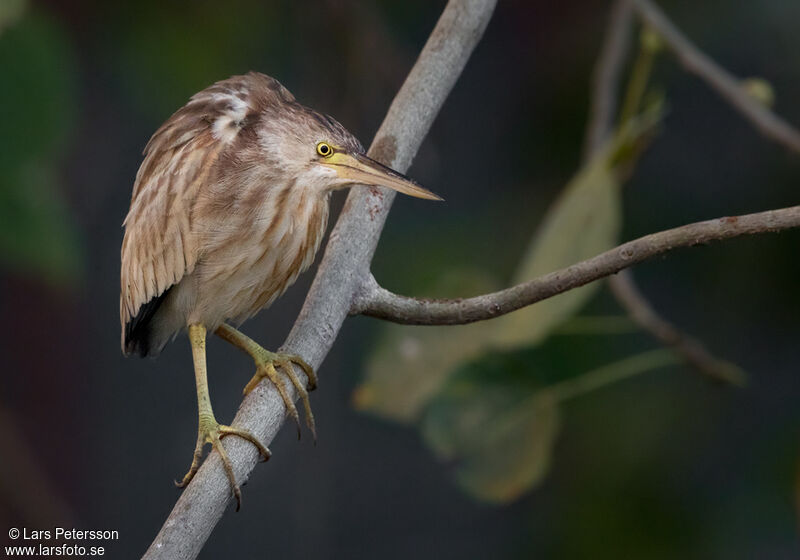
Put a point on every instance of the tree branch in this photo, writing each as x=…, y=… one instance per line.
x=342, y=271
x=688, y=348
x=623, y=286
x=375, y=301
x=719, y=79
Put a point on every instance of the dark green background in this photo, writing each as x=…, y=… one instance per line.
x=663, y=466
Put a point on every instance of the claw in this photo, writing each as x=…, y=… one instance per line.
x=302, y=391
x=266, y=363
x=212, y=432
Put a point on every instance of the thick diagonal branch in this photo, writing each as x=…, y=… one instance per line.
x=341, y=272
x=375, y=301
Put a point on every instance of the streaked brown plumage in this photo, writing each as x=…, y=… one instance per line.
x=228, y=208
x=215, y=220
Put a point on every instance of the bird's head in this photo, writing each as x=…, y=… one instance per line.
x=251, y=130
x=317, y=151
x=345, y=166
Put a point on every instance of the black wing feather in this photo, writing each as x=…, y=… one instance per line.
x=139, y=329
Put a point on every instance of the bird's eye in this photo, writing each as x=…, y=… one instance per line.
x=324, y=149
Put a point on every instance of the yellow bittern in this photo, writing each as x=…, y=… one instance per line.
x=229, y=206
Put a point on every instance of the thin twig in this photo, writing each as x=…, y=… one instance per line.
x=690, y=349
x=376, y=301
x=606, y=77
x=719, y=79
x=610, y=374
x=623, y=286
x=341, y=272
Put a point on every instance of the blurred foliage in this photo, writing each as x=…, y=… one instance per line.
x=177, y=51
x=493, y=423
x=760, y=90
x=583, y=222
x=10, y=12
x=472, y=417
x=661, y=467
x=501, y=448
x=408, y=365
x=36, y=229
x=497, y=418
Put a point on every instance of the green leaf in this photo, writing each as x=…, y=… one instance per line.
x=583, y=222
x=410, y=363
x=597, y=325
x=497, y=419
x=508, y=457
x=520, y=446
x=760, y=90
x=10, y=12
x=493, y=424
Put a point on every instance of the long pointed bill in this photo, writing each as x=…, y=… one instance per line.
x=363, y=170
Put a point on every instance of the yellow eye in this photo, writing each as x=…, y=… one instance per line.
x=324, y=149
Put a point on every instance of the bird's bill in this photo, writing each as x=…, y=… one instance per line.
x=363, y=170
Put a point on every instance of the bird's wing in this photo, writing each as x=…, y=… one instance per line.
x=159, y=247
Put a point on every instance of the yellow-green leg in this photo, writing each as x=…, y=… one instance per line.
x=209, y=430
x=266, y=363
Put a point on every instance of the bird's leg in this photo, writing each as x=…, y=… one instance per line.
x=266, y=363
x=209, y=430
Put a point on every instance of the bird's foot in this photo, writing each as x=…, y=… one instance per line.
x=266, y=364
x=210, y=431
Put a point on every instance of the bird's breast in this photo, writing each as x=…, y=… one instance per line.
x=256, y=252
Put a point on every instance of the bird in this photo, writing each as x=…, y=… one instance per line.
x=229, y=206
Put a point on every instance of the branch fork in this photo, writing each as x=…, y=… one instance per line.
x=344, y=286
